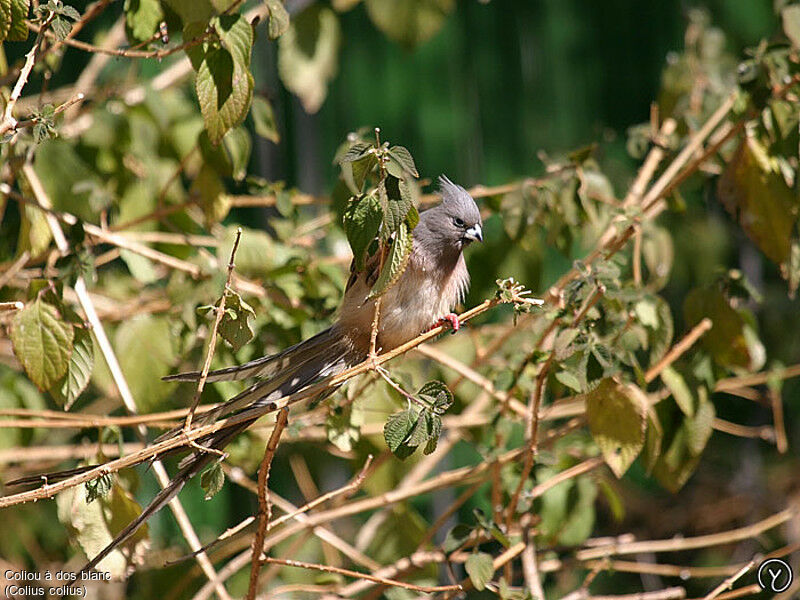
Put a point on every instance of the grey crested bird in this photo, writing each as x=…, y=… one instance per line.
x=434, y=281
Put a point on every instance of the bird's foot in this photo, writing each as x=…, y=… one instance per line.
x=449, y=319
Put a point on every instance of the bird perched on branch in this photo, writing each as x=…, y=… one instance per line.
x=434, y=280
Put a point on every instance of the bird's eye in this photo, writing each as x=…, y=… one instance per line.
x=459, y=222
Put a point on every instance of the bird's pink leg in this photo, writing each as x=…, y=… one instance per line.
x=449, y=318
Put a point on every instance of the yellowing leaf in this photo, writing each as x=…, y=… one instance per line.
x=42, y=342
x=307, y=55
x=617, y=415
x=409, y=22
x=95, y=524
x=760, y=199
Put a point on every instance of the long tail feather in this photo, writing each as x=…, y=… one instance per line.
x=292, y=370
x=266, y=366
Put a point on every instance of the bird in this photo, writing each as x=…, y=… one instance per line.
x=433, y=282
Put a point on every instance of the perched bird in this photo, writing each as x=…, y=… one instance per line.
x=433, y=282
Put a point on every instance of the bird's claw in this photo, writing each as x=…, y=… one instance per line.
x=448, y=319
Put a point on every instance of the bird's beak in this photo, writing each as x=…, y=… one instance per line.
x=474, y=233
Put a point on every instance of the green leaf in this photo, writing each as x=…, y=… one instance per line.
x=355, y=152
x=362, y=218
x=307, y=55
x=396, y=261
x=18, y=31
x=142, y=18
x=569, y=379
x=356, y=171
x=617, y=415
x=456, y=537
x=235, y=327
x=700, y=426
x=398, y=427
x=409, y=22
x=434, y=432
x=278, y=18
x=397, y=199
x=680, y=391
x=42, y=342
x=224, y=84
x=790, y=16
x=5, y=18
x=79, y=370
x=144, y=347
x=401, y=157
x=437, y=395
x=760, y=199
x=264, y=119
x=480, y=568
x=212, y=480
x=60, y=27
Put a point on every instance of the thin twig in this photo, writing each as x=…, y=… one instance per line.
x=678, y=349
x=264, y=505
x=212, y=338
x=728, y=583
x=357, y=575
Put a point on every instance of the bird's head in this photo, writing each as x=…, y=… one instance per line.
x=460, y=219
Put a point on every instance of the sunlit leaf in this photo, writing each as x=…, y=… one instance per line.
x=212, y=480
x=480, y=568
x=409, y=22
x=79, y=370
x=617, y=419
x=362, y=218
x=42, y=342
x=278, y=18
x=264, y=119
x=396, y=261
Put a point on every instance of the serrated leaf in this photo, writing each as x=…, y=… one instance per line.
x=42, y=342
x=308, y=55
x=142, y=18
x=397, y=200
x=5, y=18
x=355, y=172
x=398, y=427
x=223, y=83
x=680, y=391
x=362, y=218
x=403, y=157
x=212, y=480
x=264, y=119
x=617, y=416
x=456, y=537
x=480, y=568
x=434, y=433
x=355, y=152
x=70, y=12
x=278, y=18
x=409, y=22
x=437, y=395
x=79, y=370
x=235, y=326
x=396, y=261
x=18, y=32
x=60, y=28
